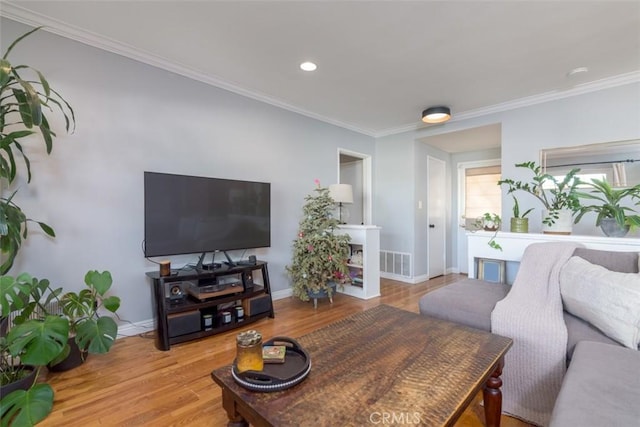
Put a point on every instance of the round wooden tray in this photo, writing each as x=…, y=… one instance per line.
x=277, y=376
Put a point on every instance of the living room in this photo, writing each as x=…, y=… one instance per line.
x=134, y=117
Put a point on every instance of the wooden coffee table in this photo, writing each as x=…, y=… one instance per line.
x=381, y=366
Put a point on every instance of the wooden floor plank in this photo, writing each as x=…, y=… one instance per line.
x=138, y=385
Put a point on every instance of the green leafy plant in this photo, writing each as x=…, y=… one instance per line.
x=516, y=209
x=490, y=222
x=610, y=203
x=34, y=340
x=319, y=254
x=554, y=194
x=93, y=333
x=23, y=106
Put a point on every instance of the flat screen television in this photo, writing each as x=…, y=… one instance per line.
x=190, y=214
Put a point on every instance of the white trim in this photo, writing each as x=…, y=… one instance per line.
x=460, y=231
x=453, y=270
x=63, y=29
x=609, y=82
x=137, y=328
x=281, y=294
x=19, y=14
x=367, y=182
x=404, y=279
x=431, y=159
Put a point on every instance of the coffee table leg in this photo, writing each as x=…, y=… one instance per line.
x=493, y=397
x=229, y=405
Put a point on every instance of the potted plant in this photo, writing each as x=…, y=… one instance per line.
x=22, y=115
x=34, y=337
x=90, y=333
x=320, y=255
x=33, y=340
x=519, y=222
x=614, y=219
x=558, y=197
x=490, y=222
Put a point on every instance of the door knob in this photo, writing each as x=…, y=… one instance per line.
x=432, y=226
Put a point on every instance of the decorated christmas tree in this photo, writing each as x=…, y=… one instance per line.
x=319, y=255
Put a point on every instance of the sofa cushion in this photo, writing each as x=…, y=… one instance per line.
x=623, y=262
x=608, y=300
x=580, y=330
x=468, y=302
x=601, y=388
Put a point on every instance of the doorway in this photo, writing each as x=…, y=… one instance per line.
x=436, y=217
x=355, y=169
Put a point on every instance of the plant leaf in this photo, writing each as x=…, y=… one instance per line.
x=38, y=342
x=96, y=336
x=101, y=282
x=26, y=407
x=111, y=303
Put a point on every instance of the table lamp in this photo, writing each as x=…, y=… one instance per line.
x=341, y=193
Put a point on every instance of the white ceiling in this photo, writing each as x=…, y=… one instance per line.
x=380, y=63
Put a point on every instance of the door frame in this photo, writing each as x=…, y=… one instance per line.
x=367, y=190
x=459, y=227
x=431, y=159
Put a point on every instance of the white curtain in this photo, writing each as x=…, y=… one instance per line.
x=619, y=175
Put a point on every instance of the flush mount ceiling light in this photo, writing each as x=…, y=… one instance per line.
x=436, y=115
x=308, y=66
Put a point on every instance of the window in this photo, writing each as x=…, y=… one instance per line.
x=482, y=192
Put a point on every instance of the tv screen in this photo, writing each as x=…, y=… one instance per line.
x=189, y=214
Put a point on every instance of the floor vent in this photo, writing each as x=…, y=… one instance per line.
x=395, y=263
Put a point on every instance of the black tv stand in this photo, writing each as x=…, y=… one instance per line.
x=229, y=261
x=180, y=314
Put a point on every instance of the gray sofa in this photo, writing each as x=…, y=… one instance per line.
x=602, y=384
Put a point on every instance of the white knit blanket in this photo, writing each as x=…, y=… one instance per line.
x=531, y=314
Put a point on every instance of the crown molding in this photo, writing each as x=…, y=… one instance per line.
x=610, y=82
x=54, y=26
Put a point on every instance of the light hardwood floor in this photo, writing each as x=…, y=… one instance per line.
x=138, y=385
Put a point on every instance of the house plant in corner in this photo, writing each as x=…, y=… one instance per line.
x=320, y=255
x=613, y=218
x=90, y=333
x=558, y=197
x=34, y=340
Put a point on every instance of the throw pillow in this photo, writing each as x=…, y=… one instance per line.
x=608, y=300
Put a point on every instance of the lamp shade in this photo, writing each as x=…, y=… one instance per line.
x=341, y=193
x=436, y=115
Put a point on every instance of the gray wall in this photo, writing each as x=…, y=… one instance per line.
x=131, y=118
x=606, y=115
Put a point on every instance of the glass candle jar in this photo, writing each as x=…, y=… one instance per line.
x=249, y=351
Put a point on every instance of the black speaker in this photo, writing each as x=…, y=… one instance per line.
x=183, y=323
x=256, y=305
x=252, y=259
x=175, y=291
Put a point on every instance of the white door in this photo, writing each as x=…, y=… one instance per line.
x=436, y=217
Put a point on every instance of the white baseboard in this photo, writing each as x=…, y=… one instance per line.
x=136, y=328
x=282, y=294
x=410, y=280
x=453, y=270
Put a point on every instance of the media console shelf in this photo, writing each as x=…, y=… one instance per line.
x=194, y=304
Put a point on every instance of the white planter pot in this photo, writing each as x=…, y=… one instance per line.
x=562, y=225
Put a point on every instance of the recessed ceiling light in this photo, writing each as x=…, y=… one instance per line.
x=308, y=66
x=578, y=70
